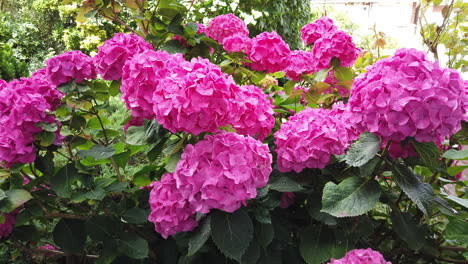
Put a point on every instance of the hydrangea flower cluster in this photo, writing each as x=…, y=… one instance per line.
x=24, y=103
x=407, y=95
x=223, y=171
x=301, y=63
x=336, y=44
x=361, y=256
x=309, y=138
x=113, y=54
x=268, y=52
x=256, y=117
x=68, y=66
x=225, y=26
x=170, y=211
x=310, y=33
x=143, y=74
x=333, y=82
x=201, y=101
x=236, y=43
x=7, y=227
x=220, y=172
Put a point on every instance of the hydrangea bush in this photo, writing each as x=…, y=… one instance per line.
x=180, y=143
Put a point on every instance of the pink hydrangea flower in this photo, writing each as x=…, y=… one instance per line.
x=287, y=199
x=223, y=171
x=47, y=247
x=336, y=44
x=2, y=84
x=224, y=26
x=7, y=227
x=309, y=138
x=347, y=118
x=146, y=73
x=310, y=33
x=268, y=52
x=256, y=116
x=407, y=95
x=113, y=54
x=68, y=66
x=236, y=43
x=301, y=63
x=334, y=87
x=361, y=256
x=203, y=100
x=170, y=211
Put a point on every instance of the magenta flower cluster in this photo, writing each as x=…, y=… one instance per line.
x=301, y=62
x=225, y=26
x=113, y=54
x=71, y=65
x=336, y=44
x=361, y=256
x=407, y=95
x=7, y=227
x=24, y=103
x=268, y=52
x=310, y=33
x=309, y=138
x=220, y=172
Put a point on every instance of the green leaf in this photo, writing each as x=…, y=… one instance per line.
x=321, y=75
x=252, y=254
x=363, y=150
x=353, y=196
x=114, y=88
x=285, y=184
x=96, y=194
x=14, y=199
x=367, y=169
x=461, y=201
x=264, y=233
x=102, y=228
x=122, y=158
x=408, y=230
x=26, y=233
x=70, y=235
x=419, y=192
x=429, y=154
x=172, y=163
x=136, y=216
x=457, y=229
x=62, y=181
x=452, y=171
x=199, y=236
x=98, y=152
x=173, y=46
x=231, y=232
x=133, y=246
x=289, y=87
x=94, y=123
x=343, y=74
x=318, y=244
x=456, y=154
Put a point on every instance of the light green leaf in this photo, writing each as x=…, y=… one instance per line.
x=456, y=154
x=343, y=74
x=353, y=196
x=457, y=229
x=98, y=152
x=14, y=198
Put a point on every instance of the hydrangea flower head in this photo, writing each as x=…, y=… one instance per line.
x=310, y=33
x=224, y=26
x=236, y=43
x=7, y=227
x=301, y=63
x=223, y=171
x=268, y=52
x=113, y=54
x=407, y=95
x=309, y=138
x=146, y=73
x=68, y=66
x=336, y=44
x=203, y=100
x=256, y=116
x=361, y=256
x=170, y=211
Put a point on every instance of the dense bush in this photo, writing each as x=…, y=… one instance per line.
x=180, y=142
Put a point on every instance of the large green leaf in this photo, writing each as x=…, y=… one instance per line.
x=101, y=228
x=264, y=234
x=429, y=154
x=456, y=154
x=353, y=196
x=199, y=236
x=457, y=229
x=14, y=199
x=135, y=216
x=98, y=152
x=318, y=244
x=70, y=235
x=283, y=183
x=232, y=232
x=419, y=192
x=363, y=150
x=63, y=180
x=408, y=230
x=133, y=246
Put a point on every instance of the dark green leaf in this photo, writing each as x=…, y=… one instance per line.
x=172, y=163
x=199, y=236
x=284, y=183
x=457, y=229
x=114, y=88
x=367, y=169
x=231, y=232
x=264, y=233
x=363, y=150
x=98, y=152
x=318, y=244
x=63, y=180
x=70, y=235
x=101, y=228
x=14, y=199
x=136, y=216
x=191, y=29
x=419, y=192
x=429, y=154
x=252, y=254
x=26, y=233
x=45, y=164
x=96, y=194
x=353, y=196
x=133, y=246
x=408, y=230
x=173, y=46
